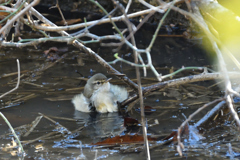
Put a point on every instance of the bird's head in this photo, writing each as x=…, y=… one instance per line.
x=95, y=82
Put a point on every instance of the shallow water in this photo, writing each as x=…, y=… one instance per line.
x=50, y=91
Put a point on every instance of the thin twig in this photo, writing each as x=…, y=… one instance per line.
x=140, y=93
x=128, y=6
x=33, y=125
x=18, y=82
x=60, y=11
x=14, y=134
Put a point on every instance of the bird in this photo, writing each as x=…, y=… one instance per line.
x=101, y=94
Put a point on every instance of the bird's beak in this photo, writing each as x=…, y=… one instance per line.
x=108, y=80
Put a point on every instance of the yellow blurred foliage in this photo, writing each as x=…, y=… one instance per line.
x=224, y=23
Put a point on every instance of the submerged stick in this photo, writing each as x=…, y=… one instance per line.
x=33, y=125
x=13, y=132
x=56, y=123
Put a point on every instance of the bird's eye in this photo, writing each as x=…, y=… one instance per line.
x=98, y=83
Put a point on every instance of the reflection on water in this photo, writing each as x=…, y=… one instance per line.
x=100, y=125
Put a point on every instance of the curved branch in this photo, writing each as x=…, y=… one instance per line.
x=18, y=81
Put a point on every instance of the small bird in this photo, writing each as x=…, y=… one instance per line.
x=101, y=94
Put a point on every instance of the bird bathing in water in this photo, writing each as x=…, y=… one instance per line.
x=101, y=94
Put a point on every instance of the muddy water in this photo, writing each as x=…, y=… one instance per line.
x=49, y=91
